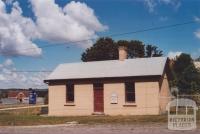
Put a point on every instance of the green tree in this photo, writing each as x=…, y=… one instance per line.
x=107, y=49
x=187, y=77
x=135, y=49
x=153, y=51
x=188, y=82
x=103, y=49
x=181, y=63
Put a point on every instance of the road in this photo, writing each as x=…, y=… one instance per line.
x=94, y=129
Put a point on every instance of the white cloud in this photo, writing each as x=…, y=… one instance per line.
x=2, y=6
x=16, y=32
x=9, y=78
x=175, y=3
x=74, y=22
x=89, y=19
x=152, y=4
x=2, y=77
x=14, y=36
x=173, y=55
x=197, y=19
x=8, y=62
x=8, y=1
x=197, y=33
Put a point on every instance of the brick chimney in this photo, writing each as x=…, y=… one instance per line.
x=122, y=52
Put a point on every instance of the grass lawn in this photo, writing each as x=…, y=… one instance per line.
x=31, y=117
x=25, y=120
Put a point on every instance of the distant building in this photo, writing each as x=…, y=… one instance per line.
x=115, y=87
x=20, y=95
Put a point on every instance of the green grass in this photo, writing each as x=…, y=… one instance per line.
x=31, y=117
x=7, y=119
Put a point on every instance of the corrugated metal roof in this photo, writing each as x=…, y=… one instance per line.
x=110, y=68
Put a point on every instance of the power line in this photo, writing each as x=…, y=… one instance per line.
x=111, y=35
x=154, y=28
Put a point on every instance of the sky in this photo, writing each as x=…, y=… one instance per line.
x=41, y=34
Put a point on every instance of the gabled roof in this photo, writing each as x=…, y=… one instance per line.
x=112, y=68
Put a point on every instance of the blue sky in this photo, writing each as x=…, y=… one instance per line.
x=110, y=17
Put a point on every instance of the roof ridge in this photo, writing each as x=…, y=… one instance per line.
x=110, y=60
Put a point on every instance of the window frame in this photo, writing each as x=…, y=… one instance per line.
x=130, y=92
x=68, y=86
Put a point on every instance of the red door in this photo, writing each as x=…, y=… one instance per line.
x=98, y=98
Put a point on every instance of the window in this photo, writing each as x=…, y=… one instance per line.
x=130, y=92
x=70, y=92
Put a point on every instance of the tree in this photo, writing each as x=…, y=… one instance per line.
x=107, y=49
x=153, y=51
x=188, y=82
x=187, y=77
x=103, y=49
x=182, y=62
x=135, y=49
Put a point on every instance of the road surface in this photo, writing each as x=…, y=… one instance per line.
x=94, y=129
